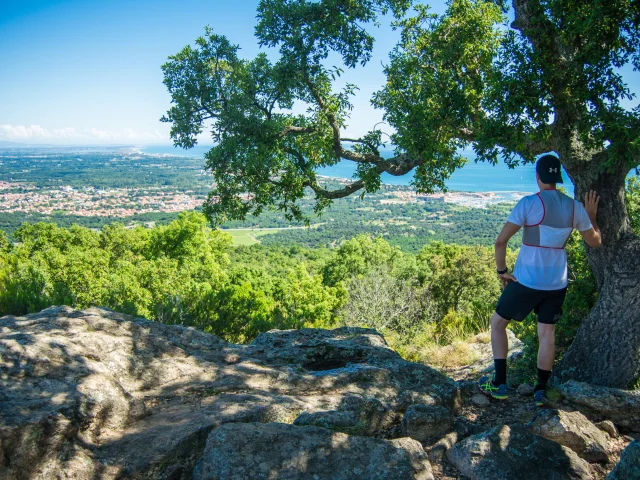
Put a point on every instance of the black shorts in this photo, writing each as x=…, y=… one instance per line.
x=517, y=301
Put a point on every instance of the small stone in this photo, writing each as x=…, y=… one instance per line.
x=440, y=448
x=480, y=400
x=609, y=427
x=525, y=390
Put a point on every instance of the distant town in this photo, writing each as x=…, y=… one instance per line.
x=128, y=182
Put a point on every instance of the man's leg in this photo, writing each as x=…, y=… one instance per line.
x=500, y=347
x=546, y=353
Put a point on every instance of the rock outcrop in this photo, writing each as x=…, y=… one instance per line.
x=96, y=395
x=622, y=407
x=104, y=395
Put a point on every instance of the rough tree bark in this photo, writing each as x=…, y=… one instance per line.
x=606, y=350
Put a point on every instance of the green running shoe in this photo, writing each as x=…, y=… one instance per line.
x=499, y=392
x=540, y=397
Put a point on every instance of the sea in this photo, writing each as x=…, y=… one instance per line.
x=473, y=177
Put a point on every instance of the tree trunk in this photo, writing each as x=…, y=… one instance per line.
x=606, y=350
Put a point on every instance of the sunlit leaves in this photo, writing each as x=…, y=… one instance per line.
x=436, y=82
x=180, y=273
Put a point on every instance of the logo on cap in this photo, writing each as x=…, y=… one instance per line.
x=553, y=170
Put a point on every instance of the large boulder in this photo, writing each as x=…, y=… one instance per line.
x=628, y=468
x=573, y=430
x=620, y=406
x=252, y=451
x=97, y=394
x=511, y=453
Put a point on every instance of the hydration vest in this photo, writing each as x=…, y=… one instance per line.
x=556, y=225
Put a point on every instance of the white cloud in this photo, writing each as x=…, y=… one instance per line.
x=36, y=134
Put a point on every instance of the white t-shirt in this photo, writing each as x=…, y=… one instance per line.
x=543, y=268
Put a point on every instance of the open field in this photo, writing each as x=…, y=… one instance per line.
x=241, y=236
x=250, y=236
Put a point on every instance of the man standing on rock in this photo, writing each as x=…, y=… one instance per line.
x=539, y=280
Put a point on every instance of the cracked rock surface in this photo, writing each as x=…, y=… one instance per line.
x=95, y=394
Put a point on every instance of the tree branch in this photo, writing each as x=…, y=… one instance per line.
x=291, y=130
x=337, y=146
x=262, y=109
x=334, y=194
x=313, y=184
x=364, y=142
x=531, y=21
x=396, y=166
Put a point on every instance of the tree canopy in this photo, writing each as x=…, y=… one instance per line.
x=508, y=81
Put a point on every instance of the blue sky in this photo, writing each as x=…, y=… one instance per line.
x=88, y=71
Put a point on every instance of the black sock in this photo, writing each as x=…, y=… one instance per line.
x=543, y=378
x=501, y=371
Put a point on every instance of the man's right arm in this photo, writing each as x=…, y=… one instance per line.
x=592, y=236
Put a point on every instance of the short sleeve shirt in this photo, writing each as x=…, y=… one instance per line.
x=543, y=268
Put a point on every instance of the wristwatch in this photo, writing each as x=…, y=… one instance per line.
x=502, y=272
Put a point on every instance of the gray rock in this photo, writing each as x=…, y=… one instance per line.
x=441, y=446
x=525, y=390
x=628, y=468
x=333, y=419
x=250, y=451
x=480, y=400
x=361, y=416
x=424, y=422
x=608, y=427
x=622, y=407
x=573, y=430
x=515, y=454
x=96, y=394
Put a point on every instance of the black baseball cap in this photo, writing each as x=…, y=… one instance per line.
x=549, y=169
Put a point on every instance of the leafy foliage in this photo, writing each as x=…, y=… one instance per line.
x=182, y=273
